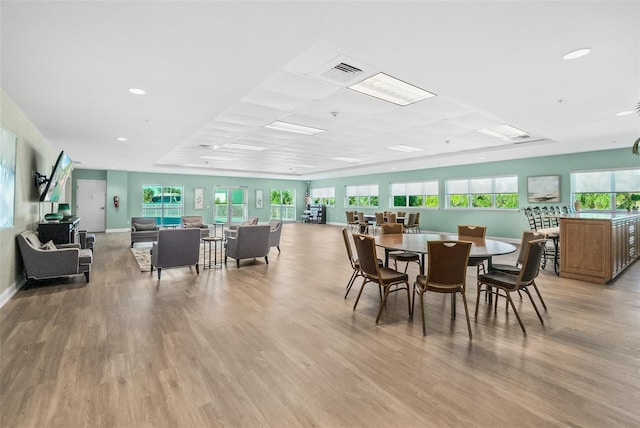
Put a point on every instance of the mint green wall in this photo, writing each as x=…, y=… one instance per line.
x=507, y=224
x=128, y=186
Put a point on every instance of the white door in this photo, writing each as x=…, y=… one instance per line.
x=91, y=198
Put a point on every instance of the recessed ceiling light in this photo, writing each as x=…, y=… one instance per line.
x=402, y=148
x=390, y=89
x=137, y=91
x=577, y=53
x=343, y=159
x=292, y=127
x=121, y=139
x=624, y=113
x=244, y=147
x=503, y=131
x=218, y=158
x=195, y=165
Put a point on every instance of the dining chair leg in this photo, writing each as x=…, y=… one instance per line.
x=534, y=306
x=383, y=303
x=535, y=287
x=424, y=327
x=409, y=301
x=466, y=313
x=354, y=275
x=478, y=300
x=515, y=311
x=359, y=294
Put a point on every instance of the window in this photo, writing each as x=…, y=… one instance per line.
x=483, y=193
x=162, y=202
x=283, y=204
x=607, y=189
x=362, y=196
x=418, y=194
x=323, y=196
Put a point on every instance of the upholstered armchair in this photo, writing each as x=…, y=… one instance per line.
x=175, y=248
x=249, y=242
x=274, y=233
x=195, y=221
x=143, y=229
x=43, y=261
x=231, y=231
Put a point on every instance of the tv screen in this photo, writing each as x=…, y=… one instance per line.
x=59, y=175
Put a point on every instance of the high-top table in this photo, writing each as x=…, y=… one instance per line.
x=417, y=243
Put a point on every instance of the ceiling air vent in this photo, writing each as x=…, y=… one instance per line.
x=524, y=140
x=342, y=73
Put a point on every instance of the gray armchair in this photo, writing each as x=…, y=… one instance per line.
x=274, y=233
x=143, y=229
x=175, y=248
x=248, y=242
x=52, y=261
x=195, y=221
x=231, y=231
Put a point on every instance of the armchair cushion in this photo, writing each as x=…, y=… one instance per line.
x=48, y=246
x=195, y=222
x=143, y=226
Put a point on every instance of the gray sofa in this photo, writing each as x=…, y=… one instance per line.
x=275, y=233
x=195, y=221
x=248, y=242
x=143, y=229
x=52, y=261
x=175, y=248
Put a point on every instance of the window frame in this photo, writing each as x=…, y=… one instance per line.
x=360, y=193
x=425, y=196
x=323, y=196
x=610, y=177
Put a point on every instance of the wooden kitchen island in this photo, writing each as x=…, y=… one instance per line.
x=597, y=247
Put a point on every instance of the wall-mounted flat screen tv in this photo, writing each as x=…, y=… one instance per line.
x=59, y=176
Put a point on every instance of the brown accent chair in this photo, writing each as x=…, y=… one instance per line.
x=352, y=223
x=399, y=256
x=446, y=273
x=385, y=278
x=496, y=281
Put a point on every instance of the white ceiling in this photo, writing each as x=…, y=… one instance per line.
x=218, y=72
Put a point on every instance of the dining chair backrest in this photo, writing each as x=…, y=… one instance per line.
x=418, y=218
x=392, y=218
x=527, y=236
x=351, y=218
x=447, y=263
x=531, y=261
x=361, y=218
x=538, y=217
x=472, y=230
x=379, y=218
x=345, y=236
x=412, y=219
x=367, y=255
x=391, y=228
x=402, y=213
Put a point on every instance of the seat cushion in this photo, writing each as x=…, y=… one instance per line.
x=85, y=257
x=143, y=226
x=404, y=256
x=49, y=246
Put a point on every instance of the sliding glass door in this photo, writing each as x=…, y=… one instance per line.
x=230, y=205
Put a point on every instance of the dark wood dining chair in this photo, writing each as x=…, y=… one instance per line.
x=495, y=281
x=475, y=232
x=385, y=278
x=446, y=273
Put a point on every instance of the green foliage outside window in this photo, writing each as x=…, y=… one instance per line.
x=507, y=200
x=483, y=200
x=594, y=201
x=432, y=201
x=458, y=201
x=399, y=201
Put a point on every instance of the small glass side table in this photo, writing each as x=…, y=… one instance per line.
x=207, y=241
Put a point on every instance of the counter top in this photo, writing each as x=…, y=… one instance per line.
x=601, y=216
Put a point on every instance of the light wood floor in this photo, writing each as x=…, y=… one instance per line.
x=278, y=346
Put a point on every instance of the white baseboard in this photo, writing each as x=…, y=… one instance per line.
x=128, y=229
x=8, y=293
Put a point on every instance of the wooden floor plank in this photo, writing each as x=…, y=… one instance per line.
x=277, y=345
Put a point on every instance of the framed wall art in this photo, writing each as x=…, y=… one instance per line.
x=198, y=198
x=544, y=188
x=259, y=198
x=7, y=178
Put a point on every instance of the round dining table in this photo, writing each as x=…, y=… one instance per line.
x=417, y=243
